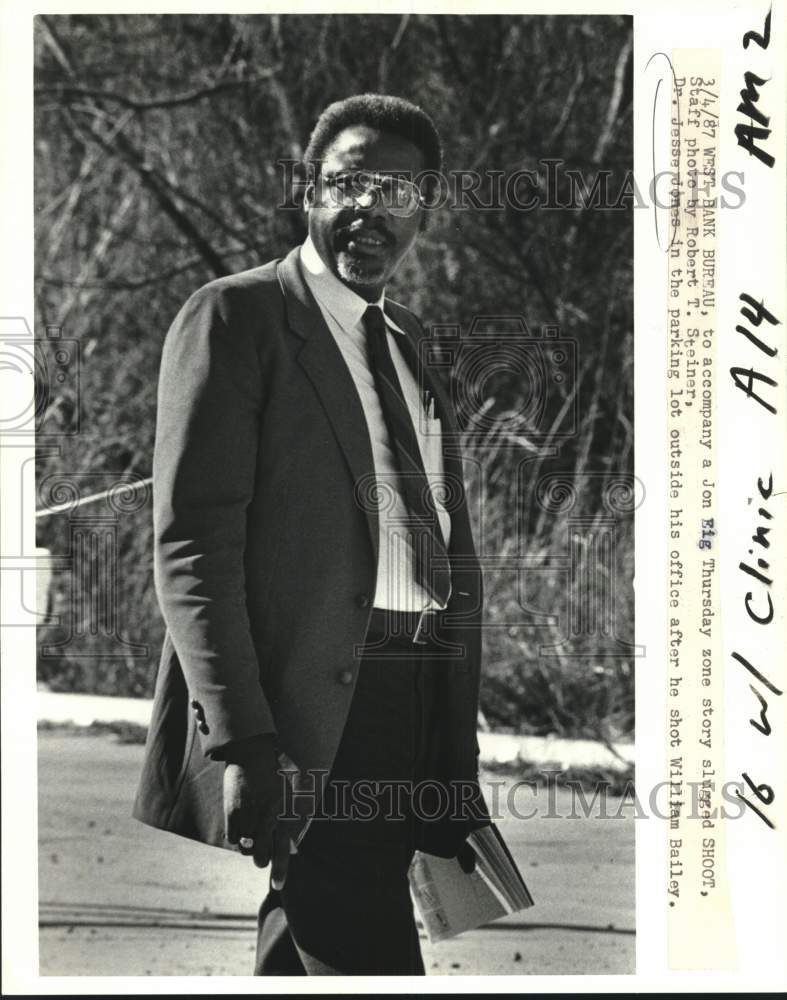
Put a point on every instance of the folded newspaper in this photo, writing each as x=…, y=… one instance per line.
x=451, y=900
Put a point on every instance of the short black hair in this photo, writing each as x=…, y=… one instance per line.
x=379, y=111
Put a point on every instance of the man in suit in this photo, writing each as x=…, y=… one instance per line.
x=317, y=697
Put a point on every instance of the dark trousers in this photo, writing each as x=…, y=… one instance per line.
x=345, y=908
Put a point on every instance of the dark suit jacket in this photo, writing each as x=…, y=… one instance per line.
x=266, y=554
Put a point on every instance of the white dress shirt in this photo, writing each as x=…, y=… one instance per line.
x=343, y=311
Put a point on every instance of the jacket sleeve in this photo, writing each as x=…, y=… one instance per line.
x=209, y=404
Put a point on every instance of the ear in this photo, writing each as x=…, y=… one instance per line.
x=309, y=196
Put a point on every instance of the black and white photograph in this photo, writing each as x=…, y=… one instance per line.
x=340, y=477
x=321, y=516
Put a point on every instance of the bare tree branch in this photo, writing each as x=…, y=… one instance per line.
x=71, y=198
x=123, y=149
x=189, y=97
x=618, y=88
x=286, y=114
x=133, y=286
x=97, y=255
x=117, y=144
x=568, y=107
x=450, y=50
x=390, y=50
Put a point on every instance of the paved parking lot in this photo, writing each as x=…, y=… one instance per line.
x=120, y=899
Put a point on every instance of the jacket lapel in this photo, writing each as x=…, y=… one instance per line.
x=321, y=359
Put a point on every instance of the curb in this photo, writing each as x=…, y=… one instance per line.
x=496, y=748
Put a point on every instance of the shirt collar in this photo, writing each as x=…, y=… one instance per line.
x=333, y=296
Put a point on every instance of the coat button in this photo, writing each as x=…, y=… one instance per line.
x=362, y=601
x=345, y=677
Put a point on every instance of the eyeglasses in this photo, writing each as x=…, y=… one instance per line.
x=398, y=196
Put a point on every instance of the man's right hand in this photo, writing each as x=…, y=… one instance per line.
x=253, y=796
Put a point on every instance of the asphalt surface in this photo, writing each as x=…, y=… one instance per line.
x=120, y=899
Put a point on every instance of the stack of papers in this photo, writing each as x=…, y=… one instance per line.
x=451, y=900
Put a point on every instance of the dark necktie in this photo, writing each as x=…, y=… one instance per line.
x=432, y=569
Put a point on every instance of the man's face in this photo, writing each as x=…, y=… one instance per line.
x=362, y=243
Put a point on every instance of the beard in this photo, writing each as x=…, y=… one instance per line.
x=357, y=270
